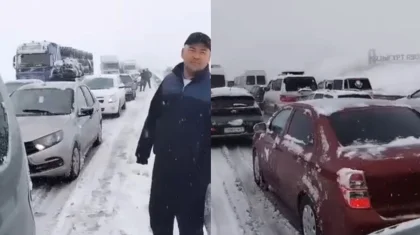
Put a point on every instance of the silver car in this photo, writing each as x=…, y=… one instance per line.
x=16, y=217
x=60, y=122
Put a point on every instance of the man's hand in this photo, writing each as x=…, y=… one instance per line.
x=141, y=160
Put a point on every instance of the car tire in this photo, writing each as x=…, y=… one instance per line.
x=258, y=175
x=98, y=140
x=75, y=164
x=308, y=217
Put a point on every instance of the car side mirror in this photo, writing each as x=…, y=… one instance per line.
x=266, y=88
x=86, y=111
x=121, y=86
x=260, y=127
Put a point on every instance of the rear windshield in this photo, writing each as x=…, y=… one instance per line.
x=375, y=125
x=232, y=101
x=297, y=83
x=218, y=81
x=359, y=83
x=250, y=80
x=355, y=96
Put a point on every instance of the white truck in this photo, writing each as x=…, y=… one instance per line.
x=110, y=64
x=129, y=66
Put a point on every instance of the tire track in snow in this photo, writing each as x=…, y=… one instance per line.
x=60, y=196
x=269, y=221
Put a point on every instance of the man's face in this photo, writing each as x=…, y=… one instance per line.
x=196, y=57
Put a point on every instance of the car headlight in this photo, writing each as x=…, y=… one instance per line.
x=48, y=140
x=112, y=99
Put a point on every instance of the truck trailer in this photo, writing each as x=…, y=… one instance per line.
x=110, y=64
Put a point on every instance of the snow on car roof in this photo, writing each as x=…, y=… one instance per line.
x=337, y=93
x=102, y=76
x=229, y=91
x=25, y=81
x=329, y=106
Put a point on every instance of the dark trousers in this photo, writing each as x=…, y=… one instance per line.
x=148, y=82
x=187, y=206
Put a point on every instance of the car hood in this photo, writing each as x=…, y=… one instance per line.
x=44, y=125
x=104, y=92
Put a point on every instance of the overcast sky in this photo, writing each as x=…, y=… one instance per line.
x=153, y=32
x=278, y=35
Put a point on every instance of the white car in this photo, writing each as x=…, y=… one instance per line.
x=335, y=94
x=109, y=91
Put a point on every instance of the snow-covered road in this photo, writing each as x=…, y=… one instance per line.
x=239, y=207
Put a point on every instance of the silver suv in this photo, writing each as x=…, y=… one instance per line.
x=16, y=217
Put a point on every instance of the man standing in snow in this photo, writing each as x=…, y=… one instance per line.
x=178, y=128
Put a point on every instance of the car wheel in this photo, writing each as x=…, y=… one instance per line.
x=258, y=176
x=75, y=164
x=308, y=217
x=98, y=140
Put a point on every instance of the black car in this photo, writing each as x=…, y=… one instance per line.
x=258, y=92
x=234, y=112
x=130, y=86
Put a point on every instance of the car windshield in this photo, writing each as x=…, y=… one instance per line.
x=217, y=81
x=13, y=86
x=376, y=125
x=100, y=83
x=34, y=60
x=126, y=79
x=43, y=101
x=111, y=65
x=297, y=83
x=222, y=102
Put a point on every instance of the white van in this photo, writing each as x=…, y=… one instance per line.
x=218, y=76
x=347, y=83
x=251, y=78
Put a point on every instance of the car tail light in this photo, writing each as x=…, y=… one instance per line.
x=284, y=98
x=354, y=189
x=213, y=129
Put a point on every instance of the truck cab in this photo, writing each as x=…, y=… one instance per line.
x=110, y=64
x=35, y=60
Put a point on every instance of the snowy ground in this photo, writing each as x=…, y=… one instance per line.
x=111, y=195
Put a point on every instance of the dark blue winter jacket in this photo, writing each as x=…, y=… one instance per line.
x=178, y=128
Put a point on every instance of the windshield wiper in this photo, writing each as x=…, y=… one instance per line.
x=36, y=111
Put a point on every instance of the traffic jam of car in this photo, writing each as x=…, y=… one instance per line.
x=345, y=161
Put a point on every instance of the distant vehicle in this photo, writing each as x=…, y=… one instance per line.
x=413, y=100
x=347, y=83
x=218, y=76
x=258, y=92
x=251, y=78
x=14, y=85
x=129, y=66
x=109, y=91
x=15, y=183
x=36, y=60
x=130, y=86
x=355, y=159
x=335, y=94
x=110, y=64
x=234, y=112
x=69, y=123
x=289, y=86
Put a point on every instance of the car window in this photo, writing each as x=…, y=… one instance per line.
x=415, y=95
x=366, y=126
x=99, y=83
x=276, y=85
x=88, y=96
x=319, y=96
x=278, y=124
x=80, y=99
x=337, y=85
x=328, y=96
x=250, y=80
x=4, y=131
x=301, y=127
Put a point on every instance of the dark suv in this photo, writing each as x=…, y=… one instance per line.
x=16, y=217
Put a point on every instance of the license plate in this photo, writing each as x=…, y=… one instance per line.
x=234, y=130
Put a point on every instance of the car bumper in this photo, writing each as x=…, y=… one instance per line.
x=109, y=108
x=221, y=127
x=53, y=161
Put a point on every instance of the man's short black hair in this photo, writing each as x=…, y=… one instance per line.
x=197, y=38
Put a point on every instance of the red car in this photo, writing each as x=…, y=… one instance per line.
x=347, y=166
